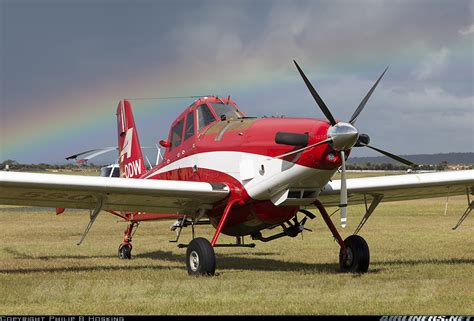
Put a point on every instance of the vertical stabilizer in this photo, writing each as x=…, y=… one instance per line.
x=130, y=153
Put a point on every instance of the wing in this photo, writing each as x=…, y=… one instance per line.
x=118, y=194
x=400, y=187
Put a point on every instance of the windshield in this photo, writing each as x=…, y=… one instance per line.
x=107, y=171
x=225, y=109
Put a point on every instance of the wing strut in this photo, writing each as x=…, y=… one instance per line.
x=470, y=207
x=377, y=198
x=93, y=216
x=223, y=220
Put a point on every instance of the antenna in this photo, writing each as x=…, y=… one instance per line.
x=171, y=97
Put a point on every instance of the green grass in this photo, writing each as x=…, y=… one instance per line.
x=418, y=266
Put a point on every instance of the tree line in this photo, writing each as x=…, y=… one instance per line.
x=13, y=165
x=16, y=166
x=396, y=167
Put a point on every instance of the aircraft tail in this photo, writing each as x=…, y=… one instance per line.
x=131, y=160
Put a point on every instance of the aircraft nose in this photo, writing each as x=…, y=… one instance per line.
x=343, y=135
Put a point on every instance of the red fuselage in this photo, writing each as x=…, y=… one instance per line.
x=221, y=151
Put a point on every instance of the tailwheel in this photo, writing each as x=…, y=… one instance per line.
x=358, y=255
x=125, y=251
x=200, y=257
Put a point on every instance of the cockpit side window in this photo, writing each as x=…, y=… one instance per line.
x=204, y=115
x=189, y=130
x=116, y=172
x=177, y=134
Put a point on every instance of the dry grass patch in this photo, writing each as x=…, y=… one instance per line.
x=418, y=266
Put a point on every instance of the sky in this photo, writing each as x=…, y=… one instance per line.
x=65, y=65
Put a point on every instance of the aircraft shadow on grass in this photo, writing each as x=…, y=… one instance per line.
x=226, y=262
x=235, y=262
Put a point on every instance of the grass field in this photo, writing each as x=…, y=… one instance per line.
x=418, y=266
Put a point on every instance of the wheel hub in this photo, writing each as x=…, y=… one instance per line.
x=350, y=257
x=194, y=261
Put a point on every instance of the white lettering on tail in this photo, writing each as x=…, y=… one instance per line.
x=127, y=144
x=133, y=168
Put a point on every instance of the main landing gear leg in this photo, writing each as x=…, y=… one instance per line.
x=125, y=249
x=354, y=255
x=200, y=255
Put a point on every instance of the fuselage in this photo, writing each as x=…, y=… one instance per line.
x=243, y=153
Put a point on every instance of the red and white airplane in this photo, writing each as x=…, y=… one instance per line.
x=241, y=174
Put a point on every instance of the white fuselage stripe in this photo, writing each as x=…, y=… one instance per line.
x=264, y=176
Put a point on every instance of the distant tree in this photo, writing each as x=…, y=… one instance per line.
x=9, y=162
x=442, y=166
x=12, y=164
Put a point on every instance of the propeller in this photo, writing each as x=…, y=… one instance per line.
x=343, y=201
x=343, y=136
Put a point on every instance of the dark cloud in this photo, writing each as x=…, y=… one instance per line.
x=55, y=49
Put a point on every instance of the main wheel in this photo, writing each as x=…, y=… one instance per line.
x=358, y=255
x=200, y=257
x=125, y=251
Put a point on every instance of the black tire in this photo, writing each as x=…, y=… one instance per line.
x=358, y=255
x=125, y=251
x=200, y=257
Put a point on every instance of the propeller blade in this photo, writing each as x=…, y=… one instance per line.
x=395, y=157
x=343, y=202
x=301, y=225
x=366, y=98
x=328, y=140
x=307, y=213
x=303, y=221
x=295, y=219
x=316, y=97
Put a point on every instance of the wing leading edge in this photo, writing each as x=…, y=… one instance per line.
x=118, y=194
x=401, y=187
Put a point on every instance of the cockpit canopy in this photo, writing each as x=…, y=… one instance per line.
x=199, y=115
x=110, y=171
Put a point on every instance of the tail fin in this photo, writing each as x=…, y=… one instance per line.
x=130, y=153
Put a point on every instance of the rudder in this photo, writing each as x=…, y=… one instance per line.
x=131, y=160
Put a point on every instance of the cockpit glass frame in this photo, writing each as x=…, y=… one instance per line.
x=225, y=111
x=204, y=116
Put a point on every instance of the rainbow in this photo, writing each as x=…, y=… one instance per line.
x=61, y=120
